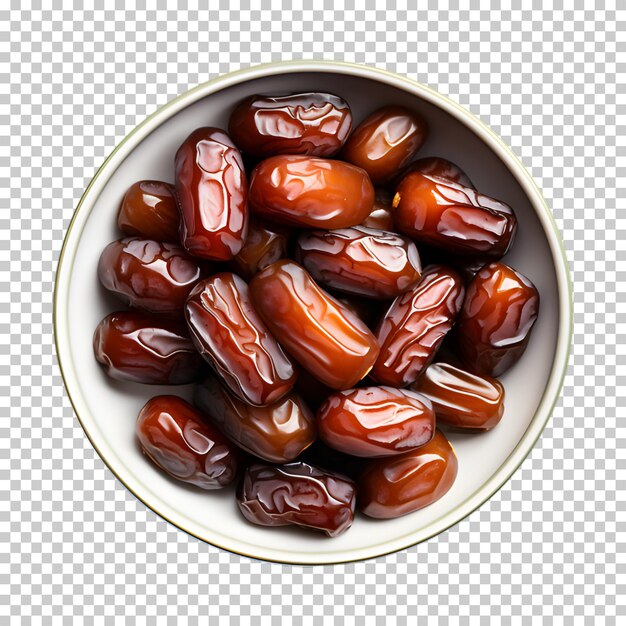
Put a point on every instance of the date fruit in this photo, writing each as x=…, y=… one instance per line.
x=440, y=168
x=149, y=210
x=360, y=261
x=415, y=325
x=277, y=433
x=376, y=421
x=145, y=348
x=322, y=334
x=447, y=215
x=398, y=485
x=176, y=438
x=231, y=336
x=211, y=186
x=149, y=275
x=385, y=141
x=461, y=399
x=264, y=245
x=496, y=320
x=310, y=192
x=314, y=124
x=297, y=494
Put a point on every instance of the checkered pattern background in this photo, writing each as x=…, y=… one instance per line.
x=77, y=548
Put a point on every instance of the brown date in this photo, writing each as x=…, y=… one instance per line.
x=310, y=192
x=176, y=438
x=447, y=215
x=277, y=433
x=323, y=335
x=314, y=124
x=385, y=141
x=439, y=168
x=496, y=320
x=376, y=421
x=297, y=494
x=461, y=399
x=211, y=187
x=398, y=485
x=360, y=261
x=264, y=245
x=149, y=210
x=381, y=216
x=149, y=275
x=231, y=336
x=416, y=323
x=144, y=348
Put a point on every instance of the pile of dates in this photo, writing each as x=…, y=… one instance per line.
x=304, y=275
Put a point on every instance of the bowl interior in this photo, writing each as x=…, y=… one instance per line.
x=108, y=408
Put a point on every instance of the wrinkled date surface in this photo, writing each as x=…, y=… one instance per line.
x=462, y=399
x=360, y=261
x=149, y=275
x=416, y=323
x=385, y=141
x=439, y=168
x=398, y=485
x=297, y=494
x=376, y=421
x=211, y=186
x=149, y=210
x=315, y=124
x=228, y=332
x=179, y=441
x=447, y=215
x=310, y=192
x=381, y=216
x=264, y=245
x=145, y=348
x=277, y=433
x=323, y=335
x=496, y=320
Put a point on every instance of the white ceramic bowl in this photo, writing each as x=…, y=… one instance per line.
x=107, y=409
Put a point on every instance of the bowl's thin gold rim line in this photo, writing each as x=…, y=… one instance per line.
x=500, y=477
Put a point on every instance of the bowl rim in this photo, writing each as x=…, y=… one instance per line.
x=486, y=134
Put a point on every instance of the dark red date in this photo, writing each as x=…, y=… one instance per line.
x=310, y=192
x=496, y=320
x=264, y=245
x=277, y=433
x=323, y=335
x=385, y=141
x=447, y=215
x=144, y=348
x=360, y=261
x=297, y=494
x=231, y=336
x=415, y=325
x=398, y=485
x=376, y=421
x=149, y=210
x=211, y=186
x=314, y=124
x=176, y=438
x=149, y=275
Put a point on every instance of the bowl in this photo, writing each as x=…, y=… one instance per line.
x=107, y=409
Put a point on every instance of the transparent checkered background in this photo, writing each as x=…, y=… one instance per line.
x=77, y=547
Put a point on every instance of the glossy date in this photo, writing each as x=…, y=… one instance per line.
x=176, y=438
x=144, y=348
x=416, y=323
x=297, y=494
x=497, y=318
x=211, y=186
x=264, y=245
x=149, y=275
x=397, y=485
x=447, y=215
x=310, y=192
x=323, y=335
x=439, y=168
x=360, y=261
x=231, y=336
x=375, y=421
x=314, y=124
